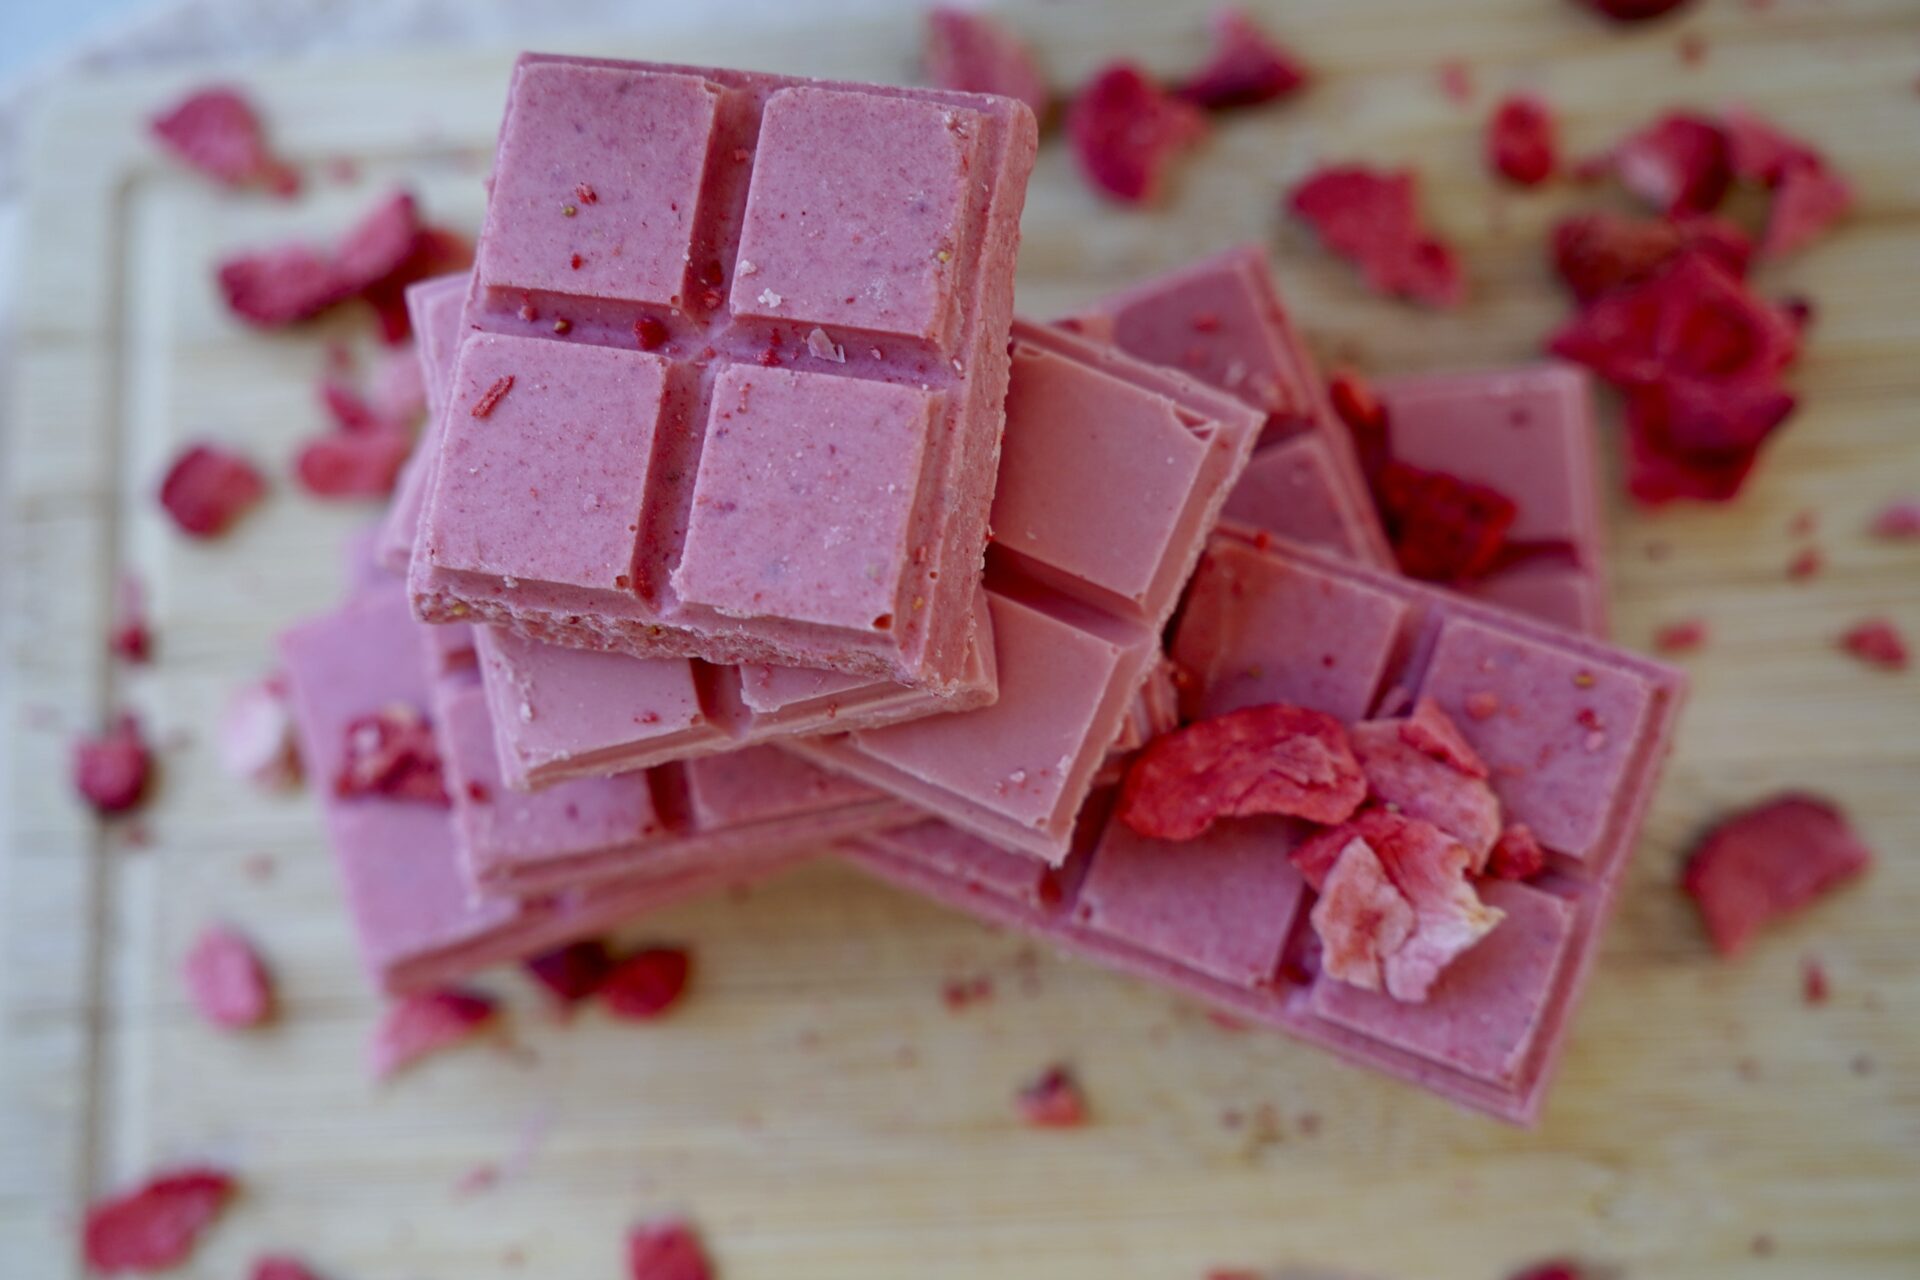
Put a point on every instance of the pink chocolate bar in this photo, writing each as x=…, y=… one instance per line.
x=1575, y=731
x=1528, y=433
x=1112, y=474
x=736, y=382
x=434, y=308
x=715, y=810
x=1221, y=320
x=418, y=923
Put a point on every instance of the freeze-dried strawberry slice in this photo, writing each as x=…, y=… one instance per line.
x=391, y=753
x=380, y=243
x=973, y=53
x=1658, y=473
x=574, y=972
x=1679, y=164
x=352, y=466
x=1760, y=151
x=1360, y=918
x=110, y=770
x=1372, y=219
x=436, y=251
x=1632, y=10
x=216, y=131
x=1523, y=140
x=280, y=1267
x=1770, y=861
x=1806, y=202
x=1430, y=730
x=1878, y=643
x=1425, y=784
x=1365, y=417
x=1517, y=854
x=226, y=979
x=647, y=983
x=131, y=638
x=350, y=410
x=1127, y=132
x=1691, y=319
x=275, y=287
x=255, y=739
x=1053, y=1100
x=1273, y=758
x=666, y=1250
x=207, y=488
x=1596, y=252
x=1245, y=67
x=419, y=1025
x=155, y=1226
x=1443, y=528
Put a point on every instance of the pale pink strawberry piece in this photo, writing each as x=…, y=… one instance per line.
x=1426, y=783
x=1878, y=643
x=417, y=1026
x=1899, y=520
x=207, y=488
x=1053, y=1100
x=1360, y=918
x=255, y=736
x=363, y=465
x=666, y=1250
x=216, y=131
x=973, y=53
x=1127, y=131
x=1770, y=861
x=227, y=980
x=1431, y=730
x=111, y=769
x=155, y=1226
x=1517, y=854
x=1245, y=68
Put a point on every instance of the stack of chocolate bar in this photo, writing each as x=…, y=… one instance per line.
x=752, y=525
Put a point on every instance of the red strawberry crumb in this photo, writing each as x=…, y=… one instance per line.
x=1443, y=528
x=111, y=770
x=1814, y=988
x=227, y=981
x=254, y=738
x=647, y=983
x=391, y=753
x=1517, y=855
x=207, y=488
x=1053, y=1101
x=272, y=288
x=1684, y=636
x=156, y=1225
x=1275, y=758
x=130, y=639
x=974, y=53
x=1372, y=219
x=574, y=972
x=1126, y=133
x=1595, y=252
x=1680, y=164
x=1806, y=563
x=217, y=131
x=493, y=395
x=1245, y=68
x=280, y=1267
x=586, y=194
x=1522, y=140
x=1769, y=861
x=419, y=1025
x=649, y=334
x=1630, y=11
x=352, y=466
x=1899, y=520
x=666, y=1250
x=958, y=993
x=1878, y=643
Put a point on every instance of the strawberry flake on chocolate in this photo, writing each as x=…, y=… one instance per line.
x=111, y=769
x=156, y=1225
x=1878, y=643
x=216, y=131
x=492, y=396
x=1269, y=759
x=1770, y=861
x=1053, y=1100
x=1523, y=140
x=1422, y=767
x=227, y=980
x=1443, y=529
x=1372, y=219
x=666, y=1250
x=1126, y=133
x=574, y=972
x=1679, y=164
x=1365, y=417
x=416, y=1026
x=646, y=984
x=974, y=53
x=1245, y=67
x=207, y=488
x=391, y=753
x=1517, y=854
x=1595, y=252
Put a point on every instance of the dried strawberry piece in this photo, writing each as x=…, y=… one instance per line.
x=1365, y=417
x=436, y=252
x=254, y=738
x=1517, y=854
x=1523, y=140
x=350, y=411
x=1245, y=68
x=1679, y=164
x=207, y=488
x=419, y=1025
x=391, y=753
x=352, y=466
x=1360, y=918
x=1658, y=473
x=216, y=131
x=155, y=1226
x=1274, y=758
x=1432, y=731
x=280, y=1267
x=647, y=983
x=226, y=979
x=1633, y=10
x=1769, y=861
x=1760, y=151
x=1443, y=528
x=111, y=770
x=1053, y=1100
x=1372, y=219
x=574, y=972
x=1878, y=643
x=1427, y=784
x=1595, y=252
x=973, y=53
x=1898, y=520
x=380, y=243
x=273, y=288
x=1806, y=202
x=666, y=1250
x=131, y=638
x=1127, y=132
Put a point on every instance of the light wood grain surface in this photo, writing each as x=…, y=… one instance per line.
x=816, y=1106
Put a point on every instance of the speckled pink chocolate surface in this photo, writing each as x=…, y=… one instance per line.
x=1221, y=321
x=1081, y=579
x=1224, y=917
x=756, y=328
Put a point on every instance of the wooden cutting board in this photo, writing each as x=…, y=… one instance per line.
x=816, y=1106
